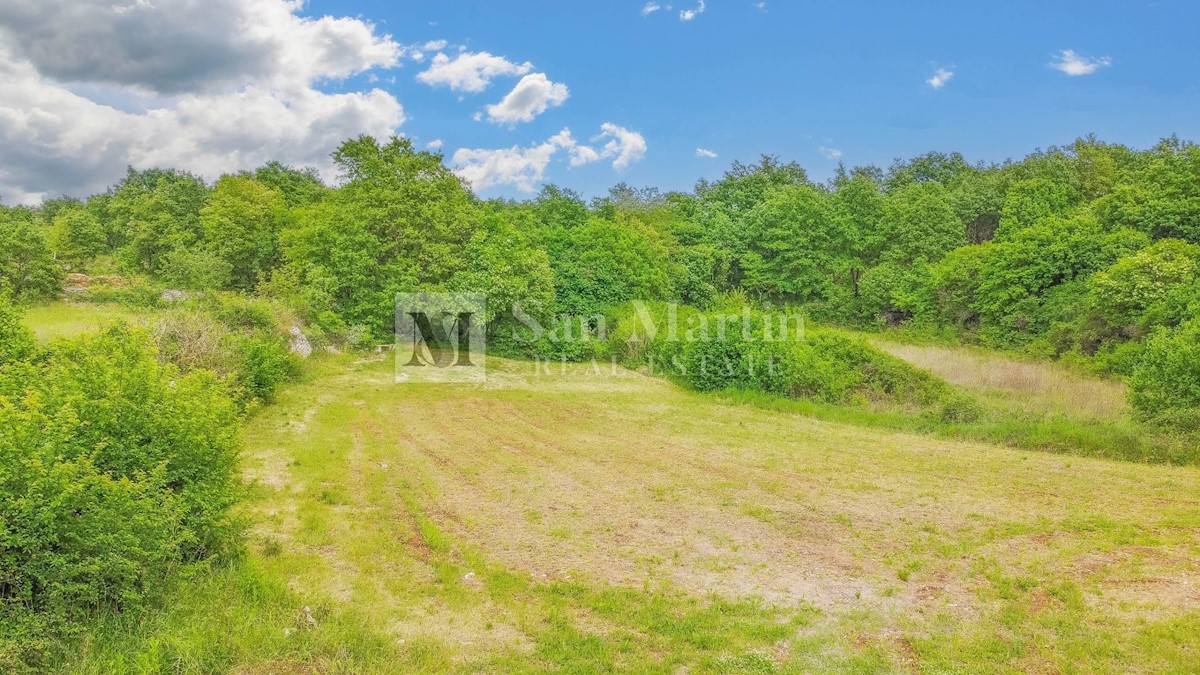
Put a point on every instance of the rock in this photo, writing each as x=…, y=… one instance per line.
x=174, y=296
x=308, y=618
x=300, y=344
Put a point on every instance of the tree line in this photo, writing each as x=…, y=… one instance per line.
x=1088, y=252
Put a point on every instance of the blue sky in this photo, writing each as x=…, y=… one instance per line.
x=792, y=78
x=581, y=94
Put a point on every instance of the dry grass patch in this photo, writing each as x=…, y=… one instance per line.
x=1027, y=385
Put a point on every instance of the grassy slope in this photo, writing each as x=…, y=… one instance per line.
x=593, y=522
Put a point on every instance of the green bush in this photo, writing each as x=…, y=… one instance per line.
x=114, y=468
x=262, y=365
x=824, y=366
x=137, y=292
x=1165, y=385
x=16, y=341
x=196, y=270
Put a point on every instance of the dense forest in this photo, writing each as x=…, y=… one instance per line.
x=1089, y=252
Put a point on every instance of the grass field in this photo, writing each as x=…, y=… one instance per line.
x=592, y=522
x=65, y=319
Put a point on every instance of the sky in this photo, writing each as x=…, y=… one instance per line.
x=580, y=94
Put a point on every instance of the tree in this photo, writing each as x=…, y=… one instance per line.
x=27, y=265
x=503, y=264
x=78, y=235
x=299, y=187
x=1017, y=273
x=859, y=204
x=919, y=224
x=796, y=246
x=241, y=223
x=155, y=212
x=1029, y=202
x=1123, y=292
x=605, y=263
x=401, y=222
x=934, y=167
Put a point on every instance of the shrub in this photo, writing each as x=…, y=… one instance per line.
x=1165, y=385
x=255, y=362
x=826, y=367
x=114, y=468
x=262, y=365
x=240, y=312
x=16, y=341
x=196, y=270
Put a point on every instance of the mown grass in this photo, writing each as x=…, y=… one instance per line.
x=594, y=524
x=584, y=521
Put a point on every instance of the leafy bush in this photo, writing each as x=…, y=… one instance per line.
x=1165, y=385
x=16, y=341
x=114, y=468
x=262, y=365
x=715, y=351
x=196, y=270
x=255, y=362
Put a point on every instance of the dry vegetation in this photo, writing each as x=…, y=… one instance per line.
x=1018, y=384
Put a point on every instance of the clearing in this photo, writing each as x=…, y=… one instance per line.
x=598, y=520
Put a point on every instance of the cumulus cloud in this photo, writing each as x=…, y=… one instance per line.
x=625, y=145
x=470, y=72
x=830, y=153
x=652, y=7
x=705, y=153
x=178, y=46
x=689, y=14
x=940, y=78
x=524, y=168
x=530, y=98
x=89, y=87
x=1077, y=64
x=520, y=167
x=435, y=144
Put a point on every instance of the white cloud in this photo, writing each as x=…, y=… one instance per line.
x=651, y=7
x=940, y=78
x=1076, y=64
x=524, y=168
x=689, y=14
x=830, y=153
x=470, y=71
x=705, y=154
x=520, y=167
x=625, y=145
x=530, y=98
x=435, y=144
x=87, y=89
x=762, y=6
